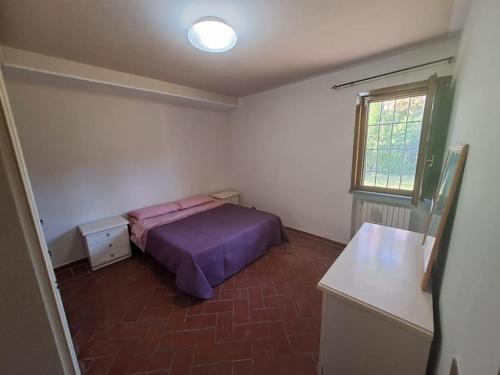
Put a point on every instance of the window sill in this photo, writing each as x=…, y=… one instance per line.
x=401, y=200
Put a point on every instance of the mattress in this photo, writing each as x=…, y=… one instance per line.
x=205, y=248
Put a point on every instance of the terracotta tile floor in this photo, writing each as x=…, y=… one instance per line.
x=130, y=318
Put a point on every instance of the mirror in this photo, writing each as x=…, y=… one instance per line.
x=441, y=204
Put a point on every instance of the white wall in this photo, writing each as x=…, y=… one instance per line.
x=292, y=146
x=93, y=152
x=470, y=292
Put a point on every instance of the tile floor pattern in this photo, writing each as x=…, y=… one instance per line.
x=130, y=318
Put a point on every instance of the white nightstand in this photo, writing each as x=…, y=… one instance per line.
x=228, y=196
x=106, y=241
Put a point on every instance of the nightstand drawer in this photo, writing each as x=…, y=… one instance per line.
x=233, y=200
x=104, y=248
x=106, y=241
x=115, y=236
x=104, y=254
x=229, y=196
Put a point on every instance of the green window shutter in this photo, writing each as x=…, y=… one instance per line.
x=423, y=154
x=438, y=130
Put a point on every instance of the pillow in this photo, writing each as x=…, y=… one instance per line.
x=194, y=201
x=156, y=210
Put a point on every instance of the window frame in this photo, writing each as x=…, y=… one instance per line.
x=363, y=100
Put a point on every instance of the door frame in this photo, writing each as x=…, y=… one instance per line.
x=19, y=182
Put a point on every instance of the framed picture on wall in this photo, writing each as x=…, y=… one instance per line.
x=443, y=199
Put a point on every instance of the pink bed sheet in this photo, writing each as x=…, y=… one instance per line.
x=139, y=228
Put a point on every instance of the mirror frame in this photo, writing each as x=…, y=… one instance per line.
x=431, y=249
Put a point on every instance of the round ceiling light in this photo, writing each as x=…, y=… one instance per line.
x=212, y=35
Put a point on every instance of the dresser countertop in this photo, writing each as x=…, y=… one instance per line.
x=381, y=268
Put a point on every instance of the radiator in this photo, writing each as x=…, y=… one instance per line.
x=390, y=216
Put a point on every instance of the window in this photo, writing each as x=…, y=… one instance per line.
x=388, y=149
x=392, y=142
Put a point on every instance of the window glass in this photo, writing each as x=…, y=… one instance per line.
x=392, y=142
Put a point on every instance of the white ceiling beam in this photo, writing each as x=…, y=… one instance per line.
x=34, y=62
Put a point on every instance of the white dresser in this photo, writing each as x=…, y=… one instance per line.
x=228, y=195
x=106, y=241
x=375, y=319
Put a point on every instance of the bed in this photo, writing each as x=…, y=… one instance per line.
x=206, y=243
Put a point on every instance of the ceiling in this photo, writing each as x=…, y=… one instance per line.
x=278, y=41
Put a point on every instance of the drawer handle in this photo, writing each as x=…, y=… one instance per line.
x=112, y=255
x=107, y=234
x=110, y=245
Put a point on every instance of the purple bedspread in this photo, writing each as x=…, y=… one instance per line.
x=205, y=249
